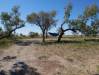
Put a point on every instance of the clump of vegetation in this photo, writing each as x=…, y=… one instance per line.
x=4, y=43
x=33, y=35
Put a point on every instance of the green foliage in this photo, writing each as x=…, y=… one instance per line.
x=11, y=21
x=4, y=19
x=33, y=34
x=91, y=11
x=44, y=20
x=88, y=22
x=21, y=36
x=67, y=12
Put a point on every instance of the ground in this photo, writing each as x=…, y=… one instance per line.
x=54, y=59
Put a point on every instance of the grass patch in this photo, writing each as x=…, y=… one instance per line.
x=5, y=43
x=97, y=69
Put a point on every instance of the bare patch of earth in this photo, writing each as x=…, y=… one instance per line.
x=47, y=62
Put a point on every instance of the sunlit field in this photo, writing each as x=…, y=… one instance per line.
x=73, y=55
x=49, y=37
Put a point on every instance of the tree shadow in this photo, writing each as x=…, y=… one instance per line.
x=63, y=42
x=9, y=58
x=20, y=68
x=23, y=43
x=27, y=42
x=51, y=42
x=95, y=74
x=93, y=40
x=72, y=41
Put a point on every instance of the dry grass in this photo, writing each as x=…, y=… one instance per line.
x=72, y=56
x=5, y=43
x=80, y=56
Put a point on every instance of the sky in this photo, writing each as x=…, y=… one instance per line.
x=29, y=6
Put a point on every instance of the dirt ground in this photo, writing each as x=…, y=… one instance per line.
x=54, y=59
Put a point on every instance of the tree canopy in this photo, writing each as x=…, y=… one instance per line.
x=11, y=21
x=44, y=20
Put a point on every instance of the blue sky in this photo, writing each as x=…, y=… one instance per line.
x=28, y=6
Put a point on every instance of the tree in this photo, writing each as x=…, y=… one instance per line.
x=91, y=15
x=51, y=23
x=11, y=22
x=43, y=20
x=67, y=21
x=88, y=22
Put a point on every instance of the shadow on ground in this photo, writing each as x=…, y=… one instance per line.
x=20, y=68
x=27, y=42
x=95, y=40
x=62, y=42
x=23, y=43
x=50, y=42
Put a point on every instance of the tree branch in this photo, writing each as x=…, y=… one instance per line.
x=74, y=30
x=10, y=32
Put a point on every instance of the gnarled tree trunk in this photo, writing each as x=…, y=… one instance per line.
x=60, y=35
x=63, y=31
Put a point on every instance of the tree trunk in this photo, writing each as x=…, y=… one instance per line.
x=43, y=40
x=46, y=34
x=60, y=36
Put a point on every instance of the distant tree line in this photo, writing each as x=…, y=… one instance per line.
x=86, y=23
x=33, y=35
